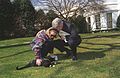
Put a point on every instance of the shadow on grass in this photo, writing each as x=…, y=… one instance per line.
x=83, y=56
x=102, y=36
x=62, y=57
x=14, y=54
x=111, y=46
x=14, y=45
x=96, y=53
x=90, y=55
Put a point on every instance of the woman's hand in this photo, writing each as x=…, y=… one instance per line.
x=38, y=62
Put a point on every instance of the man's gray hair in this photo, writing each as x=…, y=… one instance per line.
x=56, y=22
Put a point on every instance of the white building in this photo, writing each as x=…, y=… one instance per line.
x=104, y=20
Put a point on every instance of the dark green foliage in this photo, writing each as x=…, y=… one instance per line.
x=16, y=18
x=51, y=15
x=24, y=17
x=43, y=21
x=6, y=19
x=80, y=23
x=40, y=19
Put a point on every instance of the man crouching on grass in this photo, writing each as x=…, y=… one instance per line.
x=42, y=44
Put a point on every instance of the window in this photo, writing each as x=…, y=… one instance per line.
x=97, y=21
x=109, y=20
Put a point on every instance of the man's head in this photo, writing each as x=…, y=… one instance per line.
x=52, y=32
x=57, y=23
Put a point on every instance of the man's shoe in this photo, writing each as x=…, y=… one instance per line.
x=68, y=54
x=74, y=58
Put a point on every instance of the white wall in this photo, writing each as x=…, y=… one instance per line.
x=93, y=26
x=114, y=19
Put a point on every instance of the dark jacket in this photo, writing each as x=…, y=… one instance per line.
x=74, y=37
x=70, y=28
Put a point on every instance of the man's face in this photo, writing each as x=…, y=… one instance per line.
x=60, y=27
x=52, y=34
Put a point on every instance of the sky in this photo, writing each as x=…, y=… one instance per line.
x=38, y=4
x=35, y=2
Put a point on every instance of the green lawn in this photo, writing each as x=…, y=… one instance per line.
x=98, y=57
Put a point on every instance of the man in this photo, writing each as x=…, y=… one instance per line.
x=42, y=44
x=72, y=39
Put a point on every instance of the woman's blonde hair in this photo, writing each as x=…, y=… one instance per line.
x=50, y=29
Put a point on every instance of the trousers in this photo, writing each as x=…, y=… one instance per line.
x=72, y=43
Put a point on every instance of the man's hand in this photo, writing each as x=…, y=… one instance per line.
x=62, y=37
x=38, y=62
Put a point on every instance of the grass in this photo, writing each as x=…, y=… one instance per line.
x=98, y=57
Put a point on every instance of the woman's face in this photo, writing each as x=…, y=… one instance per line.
x=52, y=34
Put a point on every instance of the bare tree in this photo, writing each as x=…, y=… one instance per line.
x=70, y=8
x=63, y=7
x=93, y=5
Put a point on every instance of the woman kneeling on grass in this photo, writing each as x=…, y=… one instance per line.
x=42, y=44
